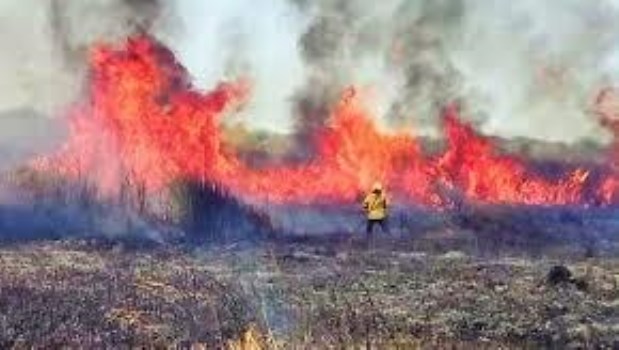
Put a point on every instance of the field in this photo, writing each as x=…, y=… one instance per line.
x=335, y=292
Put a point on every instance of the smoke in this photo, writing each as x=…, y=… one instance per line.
x=44, y=71
x=531, y=68
x=43, y=62
x=228, y=39
x=526, y=69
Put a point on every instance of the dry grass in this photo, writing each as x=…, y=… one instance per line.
x=281, y=296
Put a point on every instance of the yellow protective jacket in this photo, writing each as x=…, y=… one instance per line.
x=375, y=206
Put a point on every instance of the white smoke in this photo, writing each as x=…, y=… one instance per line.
x=531, y=67
x=33, y=75
x=241, y=38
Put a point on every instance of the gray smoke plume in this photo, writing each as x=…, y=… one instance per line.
x=523, y=69
x=395, y=48
x=76, y=25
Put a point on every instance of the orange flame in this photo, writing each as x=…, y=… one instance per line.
x=143, y=123
x=475, y=166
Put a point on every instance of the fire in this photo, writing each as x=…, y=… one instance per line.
x=144, y=124
x=352, y=154
x=474, y=165
x=251, y=339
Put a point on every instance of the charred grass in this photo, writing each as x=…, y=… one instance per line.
x=302, y=294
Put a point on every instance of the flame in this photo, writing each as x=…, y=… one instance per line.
x=143, y=123
x=251, y=339
x=352, y=154
x=474, y=165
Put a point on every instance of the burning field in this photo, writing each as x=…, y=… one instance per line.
x=160, y=220
x=144, y=126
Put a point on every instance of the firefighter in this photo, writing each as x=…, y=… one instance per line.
x=375, y=206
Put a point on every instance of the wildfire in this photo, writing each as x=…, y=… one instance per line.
x=475, y=166
x=144, y=123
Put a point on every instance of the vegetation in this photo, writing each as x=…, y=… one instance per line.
x=98, y=293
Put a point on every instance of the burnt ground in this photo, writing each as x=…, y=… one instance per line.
x=307, y=293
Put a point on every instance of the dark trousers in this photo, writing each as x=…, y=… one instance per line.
x=369, y=229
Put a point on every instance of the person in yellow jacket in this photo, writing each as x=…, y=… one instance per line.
x=375, y=205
